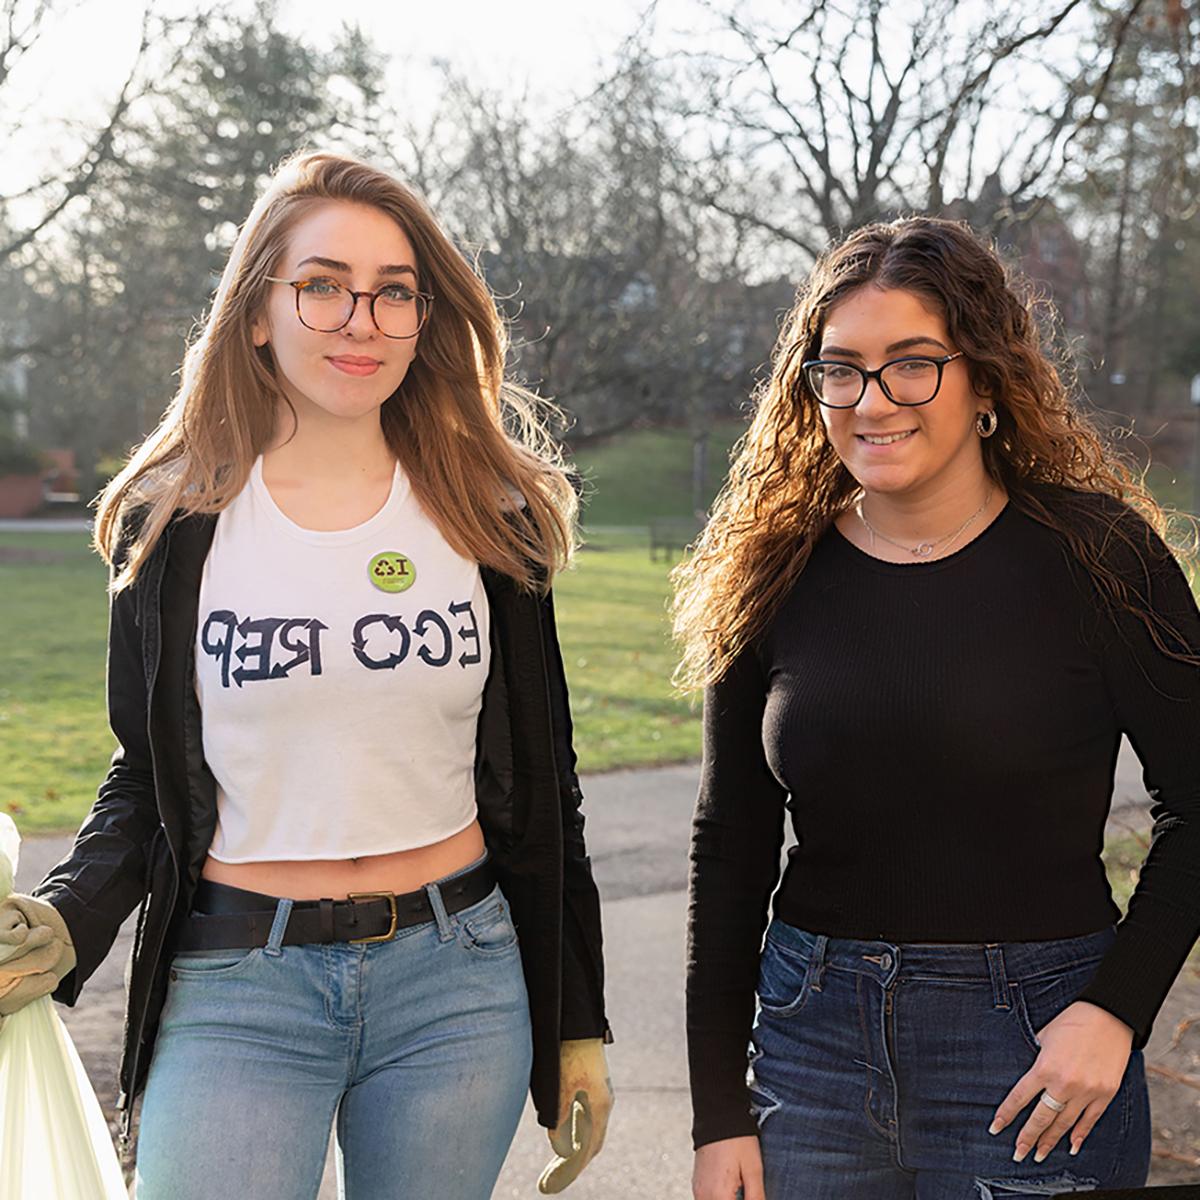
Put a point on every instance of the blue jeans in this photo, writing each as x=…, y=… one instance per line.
x=876, y=1070
x=420, y=1045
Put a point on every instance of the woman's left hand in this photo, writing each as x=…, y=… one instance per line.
x=585, y=1101
x=1085, y=1050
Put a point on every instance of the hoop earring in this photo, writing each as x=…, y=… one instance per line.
x=986, y=423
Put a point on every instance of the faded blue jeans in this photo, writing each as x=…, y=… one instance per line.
x=877, y=1069
x=420, y=1046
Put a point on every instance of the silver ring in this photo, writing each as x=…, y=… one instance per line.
x=1050, y=1102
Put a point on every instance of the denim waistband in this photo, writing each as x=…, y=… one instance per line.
x=979, y=961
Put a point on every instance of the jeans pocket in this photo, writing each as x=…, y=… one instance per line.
x=1040, y=998
x=212, y=964
x=784, y=980
x=487, y=929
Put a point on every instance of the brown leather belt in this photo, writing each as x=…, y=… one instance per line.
x=229, y=918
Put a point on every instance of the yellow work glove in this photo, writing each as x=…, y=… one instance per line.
x=35, y=951
x=585, y=1101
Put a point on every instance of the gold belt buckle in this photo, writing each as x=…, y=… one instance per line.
x=390, y=897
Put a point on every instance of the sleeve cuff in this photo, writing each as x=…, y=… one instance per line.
x=718, y=1066
x=1141, y=966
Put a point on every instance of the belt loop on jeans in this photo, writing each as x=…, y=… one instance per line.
x=445, y=929
x=816, y=965
x=283, y=910
x=995, y=959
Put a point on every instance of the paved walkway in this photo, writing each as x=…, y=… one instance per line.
x=637, y=832
x=50, y=524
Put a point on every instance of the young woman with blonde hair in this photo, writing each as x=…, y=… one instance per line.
x=345, y=791
x=927, y=605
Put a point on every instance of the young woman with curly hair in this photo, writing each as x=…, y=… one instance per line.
x=928, y=604
x=344, y=792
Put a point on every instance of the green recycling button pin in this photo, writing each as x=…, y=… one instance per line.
x=392, y=572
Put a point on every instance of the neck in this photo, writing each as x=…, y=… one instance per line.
x=933, y=512
x=327, y=449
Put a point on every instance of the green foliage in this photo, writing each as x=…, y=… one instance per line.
x=18, y=457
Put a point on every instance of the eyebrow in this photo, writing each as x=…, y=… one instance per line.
x=904, y=344
x=334, y=265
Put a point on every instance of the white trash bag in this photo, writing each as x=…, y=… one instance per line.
x=54, y=1142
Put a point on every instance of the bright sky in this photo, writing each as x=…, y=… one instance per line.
x=546, y=51
x=554, y=48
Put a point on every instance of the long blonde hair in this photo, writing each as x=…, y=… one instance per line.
x=787, y=484
x=466, y=438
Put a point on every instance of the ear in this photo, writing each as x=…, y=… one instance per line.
x=259, y=332
x=981, y=392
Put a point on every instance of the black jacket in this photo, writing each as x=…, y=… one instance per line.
x=147, y=835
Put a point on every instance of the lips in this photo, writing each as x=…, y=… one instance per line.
x=892, y=439
x=354, y=364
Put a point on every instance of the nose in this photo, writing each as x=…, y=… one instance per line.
x=874, y=402
x=361, y=323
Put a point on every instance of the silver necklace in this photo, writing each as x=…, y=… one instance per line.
x=921, y=549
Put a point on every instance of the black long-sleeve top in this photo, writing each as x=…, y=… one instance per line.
x=944, y=735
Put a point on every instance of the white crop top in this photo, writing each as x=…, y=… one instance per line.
x=340, y=676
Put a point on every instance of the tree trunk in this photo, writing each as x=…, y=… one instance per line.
x=1113, y=334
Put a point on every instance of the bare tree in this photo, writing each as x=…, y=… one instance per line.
x=1137, y=205
x=23, y=26
x=616, y=312
x=850, y=112
x=109, y=296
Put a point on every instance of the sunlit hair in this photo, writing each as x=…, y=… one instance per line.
x=466, y=438
x=787, y=484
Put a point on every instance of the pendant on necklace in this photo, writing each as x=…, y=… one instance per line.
x=923, y=549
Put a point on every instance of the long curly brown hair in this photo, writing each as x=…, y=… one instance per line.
x=787, y=484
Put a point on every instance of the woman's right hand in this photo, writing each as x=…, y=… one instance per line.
x=730, y=1169
x=35, y=951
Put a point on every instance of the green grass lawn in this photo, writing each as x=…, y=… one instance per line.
x=54, y=739
x=612, y=617
x=638, y=476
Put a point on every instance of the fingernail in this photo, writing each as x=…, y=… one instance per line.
x=1040, y=1155
x=1074, y=1148
x=994, y=1128
x=1019, y=1153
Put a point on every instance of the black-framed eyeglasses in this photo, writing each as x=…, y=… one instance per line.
x=911, y=380
x=325, y=306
